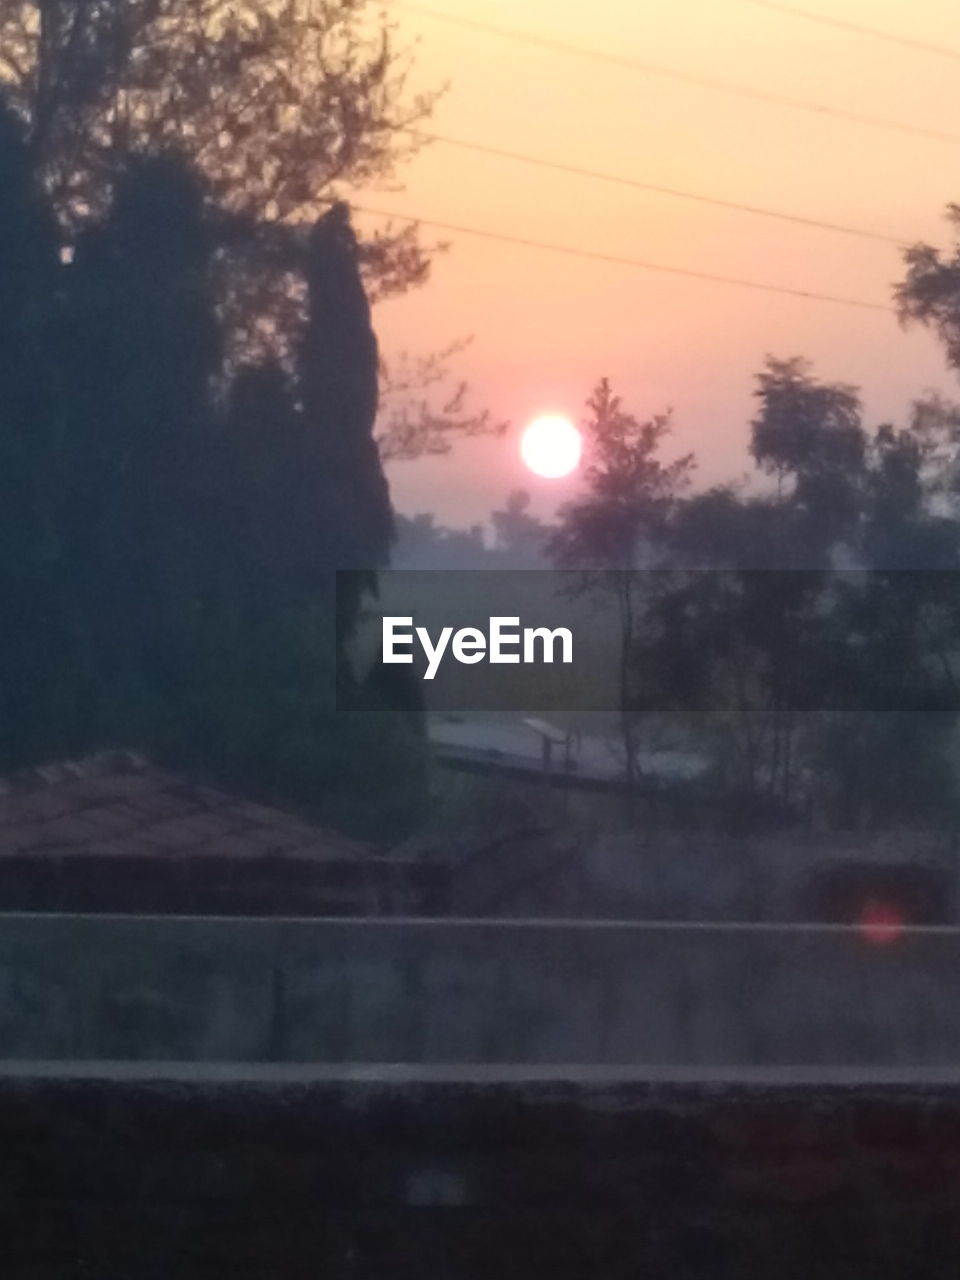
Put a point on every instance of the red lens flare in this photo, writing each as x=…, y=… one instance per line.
x=881, y=923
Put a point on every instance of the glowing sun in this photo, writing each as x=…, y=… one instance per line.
x=551, y=446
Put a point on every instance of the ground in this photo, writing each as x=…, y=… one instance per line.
x=477, y=1179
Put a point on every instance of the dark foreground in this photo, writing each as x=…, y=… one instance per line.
x=464, y=1180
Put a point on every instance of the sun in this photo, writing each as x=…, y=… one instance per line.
x=551, y=446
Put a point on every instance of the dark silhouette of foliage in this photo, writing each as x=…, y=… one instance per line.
x=167, y=570
x=425, y=410
x=280, y=109
x=34, y=680
x=337, y=379
x=809, y=435
x=803, y=651
x=140, y=346
x=929, y=294
x=629, y=491
x=617, y=525
x=910, y=520
x=424, y=544
x=278, y=106
x=519, y=537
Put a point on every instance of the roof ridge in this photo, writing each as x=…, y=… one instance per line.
x=94, y=765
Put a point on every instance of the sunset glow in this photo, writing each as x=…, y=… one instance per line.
x=551, y=446
x=551, y=320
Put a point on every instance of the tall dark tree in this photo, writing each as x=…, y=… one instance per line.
x=28, y=271
x=170, y=537
x=280, y=108
x=300, y=494
x=618, y=526
x=629, y=490
x=337, y=381
x=141, y=346
x=33, y=639
x=809, y=435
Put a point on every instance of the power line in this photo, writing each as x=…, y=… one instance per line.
x=620, y=180
x=683, y=77
x=856, y=28
x=592, y=255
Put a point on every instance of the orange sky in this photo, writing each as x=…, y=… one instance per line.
x=546, y=327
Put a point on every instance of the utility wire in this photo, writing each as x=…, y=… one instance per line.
x=619, y=179
x=856, y=28
x=592, y=255
x=672, y=73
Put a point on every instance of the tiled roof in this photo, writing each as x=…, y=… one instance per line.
x=117, y=802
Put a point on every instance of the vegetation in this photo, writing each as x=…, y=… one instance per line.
x=170, y=537
x=807, y=661
x=193, y=426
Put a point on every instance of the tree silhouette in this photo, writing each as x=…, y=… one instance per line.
x=519, y=537
x=614, y=529
x=172, y=536
x=424, y=409
x=279, y=109
x=337, y=380
x=865, y=657
x=277, y=106
x=929, y=293
x=140, y=346
x=809, y=435
x=34, y=637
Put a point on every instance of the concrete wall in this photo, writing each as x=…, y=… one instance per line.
x=432, y=991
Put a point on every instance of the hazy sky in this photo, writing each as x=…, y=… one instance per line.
x=547, y=326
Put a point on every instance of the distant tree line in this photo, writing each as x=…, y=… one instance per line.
x=517, y=539
x=806, y=628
